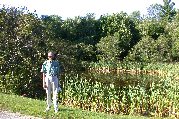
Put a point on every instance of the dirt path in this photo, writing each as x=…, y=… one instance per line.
x=10, y=115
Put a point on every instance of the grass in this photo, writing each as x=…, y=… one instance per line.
x=33, y=107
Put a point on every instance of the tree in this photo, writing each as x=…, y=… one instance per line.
x=162, y=12
x=119, y=35
x=149, y=50
x=136, y=17
x=20, y=56
x=152, y=28
x=52, y=26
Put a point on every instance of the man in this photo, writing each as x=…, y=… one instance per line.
x=50, y=70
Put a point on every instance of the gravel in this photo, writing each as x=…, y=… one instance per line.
x=10, y=115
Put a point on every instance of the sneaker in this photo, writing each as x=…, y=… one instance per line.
x=56, y=110
x=47, y=109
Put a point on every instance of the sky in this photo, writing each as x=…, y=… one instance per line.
x=72, y=8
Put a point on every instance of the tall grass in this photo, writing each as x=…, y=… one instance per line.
x=35, y=108
x=122, y=94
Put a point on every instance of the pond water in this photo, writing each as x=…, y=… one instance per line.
x=117, y=93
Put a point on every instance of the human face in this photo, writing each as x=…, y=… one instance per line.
x=50, y=57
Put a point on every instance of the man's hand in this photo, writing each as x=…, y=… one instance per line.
x=44, y=86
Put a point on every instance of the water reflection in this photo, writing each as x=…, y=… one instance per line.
x=116, y=93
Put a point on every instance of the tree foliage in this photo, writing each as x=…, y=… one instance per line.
x=19, y=52
x=26, y=38
x=164, y=12
x=118, y=36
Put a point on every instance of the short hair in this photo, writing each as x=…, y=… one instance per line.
x=51, y=54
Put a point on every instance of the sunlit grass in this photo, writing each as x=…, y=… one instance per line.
x=36, y=108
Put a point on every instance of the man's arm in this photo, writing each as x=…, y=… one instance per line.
x=44, y=83
x=58, y=71
x=43, y=70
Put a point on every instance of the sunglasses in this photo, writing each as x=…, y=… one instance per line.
x=50, y=56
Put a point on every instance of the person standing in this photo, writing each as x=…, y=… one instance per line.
x=50, y=70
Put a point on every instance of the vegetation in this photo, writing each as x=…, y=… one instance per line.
x=124, y=93
x=118, y=41
x=33, y=107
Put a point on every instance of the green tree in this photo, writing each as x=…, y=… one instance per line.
x=119, y=35
x=164, y=12
x=159, y=42
x=150, y=50
x=19, y=53
x=152, y=28
x=172, y=30
x=136, y=17
x=52, y=26
x=81, y=29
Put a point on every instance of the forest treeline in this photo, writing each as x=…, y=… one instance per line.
x=25, y=39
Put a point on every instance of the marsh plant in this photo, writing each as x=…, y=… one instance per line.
x=121, y=93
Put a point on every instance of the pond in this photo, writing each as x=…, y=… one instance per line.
x=121, y=93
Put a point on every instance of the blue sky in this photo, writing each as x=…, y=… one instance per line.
x=72, y=8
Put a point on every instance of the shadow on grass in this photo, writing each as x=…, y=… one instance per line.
x=63, y=113
x=66, y=110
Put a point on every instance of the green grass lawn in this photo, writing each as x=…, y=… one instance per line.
x=33, y=107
